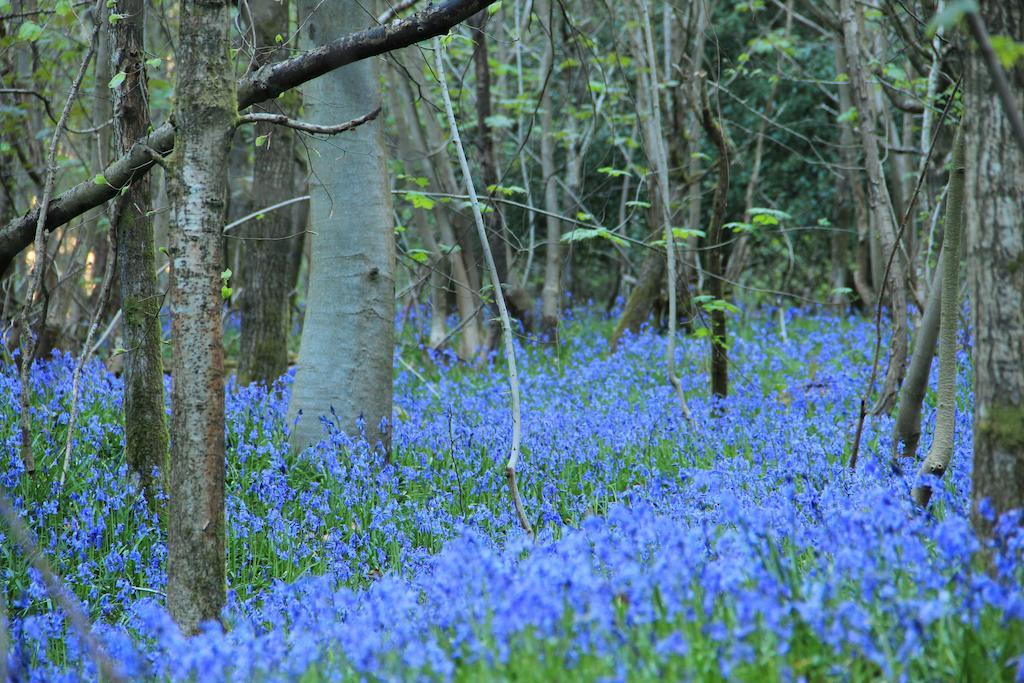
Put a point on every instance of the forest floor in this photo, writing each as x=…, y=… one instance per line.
x=740, y=547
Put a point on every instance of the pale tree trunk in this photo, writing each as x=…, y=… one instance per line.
x=266, y=275
x=941, y=452
x=346, y=356
x=880, y=203
x=551, y=293
x=145, y=427
x=852, y=189
x=205, y=114
x=995, y=267
x=907, y=428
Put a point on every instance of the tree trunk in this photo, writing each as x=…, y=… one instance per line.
x=995, y=266
x=145, y=429
x=880, y=203
x=205, y=115
x=941, y=451
x=267, y=279
x=346, y=356
x=907, y=428
x=863, y=278
x=716, y=287
x=551, y=293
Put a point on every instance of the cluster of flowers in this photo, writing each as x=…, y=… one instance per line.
x=739, y=546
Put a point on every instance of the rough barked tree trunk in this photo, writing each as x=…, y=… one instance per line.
x=941, y=451
x=881, y=205
x=346, y=357
x=145, y=428
x=716, y=286
x=995, y=267
x=266, y=275
x=205, y=114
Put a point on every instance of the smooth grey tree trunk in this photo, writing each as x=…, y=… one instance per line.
x=269, y=243
x=145, y=427
x=346, y=356
x=995, y=272
x=941, y=452
x=907, y=428
x=205, y=114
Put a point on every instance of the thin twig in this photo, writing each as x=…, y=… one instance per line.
x=506, y=324
x=39, y=265
x=394, y=11
x=22, y=536
x=862, y=413
x=282, y=120
x=266, y=209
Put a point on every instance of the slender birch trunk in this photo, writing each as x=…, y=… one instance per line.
x=205, y=114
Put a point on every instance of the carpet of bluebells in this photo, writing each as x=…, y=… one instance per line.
x=740, y=547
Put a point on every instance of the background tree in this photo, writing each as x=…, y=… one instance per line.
x=995, y=251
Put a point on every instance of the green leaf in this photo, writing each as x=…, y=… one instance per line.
x=117, y=80
x=582, y=234
x=686, y=233
x=261, y=140
x=419, y=255
x=278, y=39
x=499, y=121
x=226, y=275
x=154, y=63
x=63, y=9
x=100, y=179
x=30, y=31
x=420, y=201
x=1007, y=50
x=848, y=116
x=225, y=292
x=613, y=172
x=493, y=8
x=739, y=226
x=114, y=18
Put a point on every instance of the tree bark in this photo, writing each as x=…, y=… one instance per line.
x=346, y=357
x=267, y=249
x=995, y=267
x=145, y=429
x=205, y=115
x=941, y=452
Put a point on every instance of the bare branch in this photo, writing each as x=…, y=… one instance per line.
x=282, y=120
